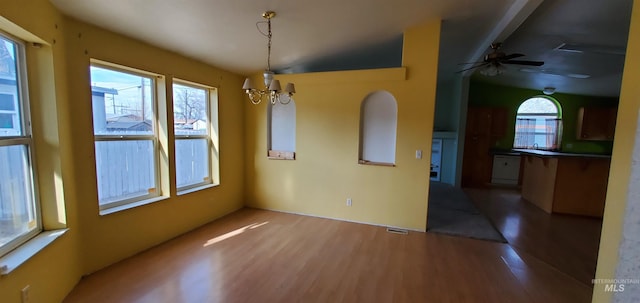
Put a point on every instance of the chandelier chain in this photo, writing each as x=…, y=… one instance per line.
x=269, y=45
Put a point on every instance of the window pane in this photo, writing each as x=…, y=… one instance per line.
x=6, y=121
x=7, y=102
x=189, y=110
x=17, y=207
x=122, y=103
x=125, y=170
x=538, y=105
x=536, y=133
x=192, y=162
x=10, y=123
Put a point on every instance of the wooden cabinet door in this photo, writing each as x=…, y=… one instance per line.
x=596, y=123
x=476, y=161
x=498, y=122
x=485, y=125
x=479, y=121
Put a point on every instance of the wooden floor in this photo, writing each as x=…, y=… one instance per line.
x=262, y=256
x=568, y=243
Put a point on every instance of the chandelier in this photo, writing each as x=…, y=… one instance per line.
x=272, y=86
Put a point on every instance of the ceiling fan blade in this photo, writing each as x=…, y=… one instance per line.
x=475, y=66
x=466, y=63
x=523, y=62
x=512, y=56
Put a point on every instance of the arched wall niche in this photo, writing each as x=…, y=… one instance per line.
x=378, y=128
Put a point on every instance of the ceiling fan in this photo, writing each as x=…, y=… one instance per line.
x=493, y=61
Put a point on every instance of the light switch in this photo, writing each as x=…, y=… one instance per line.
x=418, y=154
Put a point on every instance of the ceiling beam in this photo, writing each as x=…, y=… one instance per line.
x=512, y=19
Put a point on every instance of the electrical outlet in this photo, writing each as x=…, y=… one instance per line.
x=25, y=294
x=418, y=154
x=348, y=201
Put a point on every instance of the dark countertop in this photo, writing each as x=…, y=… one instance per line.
x=503, y=152
x=551, y=154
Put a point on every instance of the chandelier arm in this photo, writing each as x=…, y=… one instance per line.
x=255, y=96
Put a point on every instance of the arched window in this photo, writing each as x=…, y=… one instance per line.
x=378, y=123
x=281, y=119
x=538, y=124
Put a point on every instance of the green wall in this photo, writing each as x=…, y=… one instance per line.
x=491, y=95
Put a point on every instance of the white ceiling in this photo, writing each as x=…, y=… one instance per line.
x=223, y=32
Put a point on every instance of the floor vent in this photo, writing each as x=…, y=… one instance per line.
x=397, y=231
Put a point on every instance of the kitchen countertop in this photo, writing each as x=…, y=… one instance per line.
x=503, y=152
x=552, y=154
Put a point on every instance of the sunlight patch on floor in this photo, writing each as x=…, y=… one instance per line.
x=233, y=233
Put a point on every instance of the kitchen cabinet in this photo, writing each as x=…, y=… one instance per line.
x=485, y=127
x=574, y=184
x=596, y=123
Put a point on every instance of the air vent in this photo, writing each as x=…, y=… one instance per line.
x=555, y=73
x=600, y=49
x=397, y=231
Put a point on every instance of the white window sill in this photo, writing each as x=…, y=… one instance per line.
x=195, y=189
x=115, y=209
x=24, y=252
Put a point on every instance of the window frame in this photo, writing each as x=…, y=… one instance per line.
x=557, y=115
x=154, y=137
x=209, y=114
x=26, y=139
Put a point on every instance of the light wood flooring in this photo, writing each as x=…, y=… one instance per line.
x=263, y=256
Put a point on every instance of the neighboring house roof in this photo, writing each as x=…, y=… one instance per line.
x=103, y=90
x=180, y=123
x=123, y=118
x=130, y=125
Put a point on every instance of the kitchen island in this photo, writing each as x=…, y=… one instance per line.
x=565, y=183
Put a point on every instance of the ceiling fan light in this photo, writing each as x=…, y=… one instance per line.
x=548, y=90
x=491, y=70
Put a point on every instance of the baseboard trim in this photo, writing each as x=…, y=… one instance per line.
x=337, y=219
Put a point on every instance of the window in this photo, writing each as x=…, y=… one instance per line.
x=378, y=123
x=281, y=123
x=193, y=124
x=538, y=124
x=125, y=132
x=19, y=209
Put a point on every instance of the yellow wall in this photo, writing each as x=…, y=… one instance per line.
x=326, y=170
x=107, y=239
x=61, y=111
x=620, y=161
